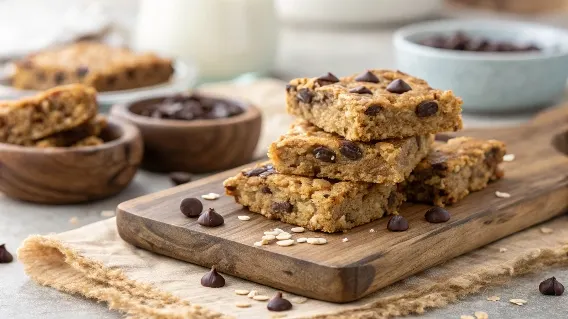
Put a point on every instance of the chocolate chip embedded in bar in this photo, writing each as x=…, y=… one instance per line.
x=454, y=169
x=374, y=105
x=309, y=151
x=313, y=203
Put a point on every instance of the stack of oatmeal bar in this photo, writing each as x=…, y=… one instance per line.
x=361, y=146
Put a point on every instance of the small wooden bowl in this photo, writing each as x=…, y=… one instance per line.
x=72, y=175
x=198, y=146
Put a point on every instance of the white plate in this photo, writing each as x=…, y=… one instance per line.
x=184, y=77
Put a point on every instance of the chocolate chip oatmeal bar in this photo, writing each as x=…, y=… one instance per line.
x=82, y=135
x=53, y=111
x=314, y=203
x=309, y=151
x=454, y=169
x=94, y=64
x=374, y=105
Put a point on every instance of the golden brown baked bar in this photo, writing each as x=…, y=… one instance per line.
x=85, y=134
x=374, y=105
x=309, y=151
x=454, y=169
x=314, y=203
x=94, y=64
x=59, y=109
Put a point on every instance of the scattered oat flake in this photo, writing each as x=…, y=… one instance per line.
x=316, y=241
x=261, y=298
x=508, y=157
x=494, y=298
x=297, y=229
x=278, y=230
x=243, y=217
x=258, y=244
x=211, y=196
x=252, y=293
x=299, y=300
x=287, y=242
x=518, y=302
x=546, y=230
x=502, y=194
x=302, y=240
x=242, y=304
x=283, y=236
x=107, y=213
x=242, y=292
x=74, y=220
x=278, y=315
x=345, y=240
x=481, y=315
x=273, y=233
x=372, y=230
x=467, y=317
x=268, y=237
x=502, y=250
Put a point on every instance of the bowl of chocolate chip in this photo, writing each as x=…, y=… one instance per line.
x=495, y=66
x=194, y=132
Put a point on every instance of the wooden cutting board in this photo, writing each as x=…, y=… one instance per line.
x=344, y=271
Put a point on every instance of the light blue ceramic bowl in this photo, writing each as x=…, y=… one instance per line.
x=489, y=81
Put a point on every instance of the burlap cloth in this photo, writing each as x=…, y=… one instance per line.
x=94, y=262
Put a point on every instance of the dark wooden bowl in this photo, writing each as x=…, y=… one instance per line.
x=198, y=146
x=72, y=175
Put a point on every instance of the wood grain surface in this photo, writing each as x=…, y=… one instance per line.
x=344, y=271
x=72, y=175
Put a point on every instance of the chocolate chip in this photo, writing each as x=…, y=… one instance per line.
x=130, y=73
x=178, y=178
x=305, y=95
x=325, y=195
x=5, y=256
x=398, y=86
x=266, y=190
x=210, y=218
x=59, y=77
x=397, y=223
x=350, y=150
x=437, y=215
x=290, y=87
x=426, y=108
x=491, y=157
x=551, y=287
x=462, y=42
x=361, y=90
x=324, y=154
x=111, y=80
x=282, y=207
x=277, y=303
x=82, y=71
x=373, y=110
x=262, y=171
x=213, y=279
x=327, y=79
x=367, y=77
x=231, y=188
x=191, y=207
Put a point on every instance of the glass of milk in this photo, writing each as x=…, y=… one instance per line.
x=224, y=38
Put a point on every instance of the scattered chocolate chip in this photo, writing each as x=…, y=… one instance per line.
x=426, y=108
x=327, y=79
x=82, y=71
x=361, y=90
x=282, y=207
x=277, y=303
x=437, y=215
x=59, y=77
x=178, y=178
x=462, y=42
x=266, y=190
x=213, y=279
x=397, y=223
x=262, y=171
x=398, y=86
x=304, y=95
x=373, y=110
x=350, y=150
x=324, y=154
x=210, y=218
x=290, y=87
x=191, y=207
x=5, y=256
x=551, y=287
x=367, y=77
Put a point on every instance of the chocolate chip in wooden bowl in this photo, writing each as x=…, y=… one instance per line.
x=278, y=303
x=324, y=154
x=437, y=215
x=426, y=108
x=398, y=86
x=373, y=110
x=350, y=150
x=210, y=218
x=367, y=77
x=179, y=178
x=282, y=207
x=397, y=223
x=191, y=207
x=361, y=90
x=213, y=279
x=5, y=256
x=551, y=287
x=327, y=79
x=305, y=95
